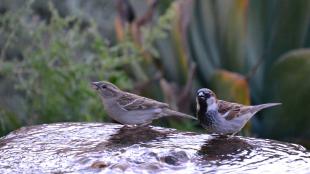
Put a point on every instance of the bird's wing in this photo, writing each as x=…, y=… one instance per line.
x=232, y=110
x=131, y=102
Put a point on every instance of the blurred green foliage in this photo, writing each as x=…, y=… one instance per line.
x=292, y=87
x=56, y=61
x=49, y=57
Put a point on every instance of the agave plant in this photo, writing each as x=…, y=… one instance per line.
x=238, y=45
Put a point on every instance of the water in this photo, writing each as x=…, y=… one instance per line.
x=111, y=148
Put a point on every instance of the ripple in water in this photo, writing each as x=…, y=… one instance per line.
x=111, y=148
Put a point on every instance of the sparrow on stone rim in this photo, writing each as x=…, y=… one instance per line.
x=130, y=109
x=222, y=117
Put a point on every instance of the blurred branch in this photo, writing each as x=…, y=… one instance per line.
x=147, y=17
x=259, y=62
x=185, y=8
x=254, y=69
x=125, y=11
x=183, y=16
x=143, y=20
x=169, y=90
x=178, y=97
x=186, y=91
x=127, y=15
x=138, y=88
x=14, y=19
x=7, y=44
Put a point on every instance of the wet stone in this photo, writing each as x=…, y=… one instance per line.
x=99, y=164
x=176, y=158
x=113, y=148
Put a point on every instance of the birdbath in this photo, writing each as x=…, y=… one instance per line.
x=113, y=148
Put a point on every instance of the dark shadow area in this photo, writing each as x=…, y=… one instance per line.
x=175, y=158
x=223, y=148
x=127, y=136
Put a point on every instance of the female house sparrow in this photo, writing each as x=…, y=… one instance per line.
x=131, y=109
x=221, y=117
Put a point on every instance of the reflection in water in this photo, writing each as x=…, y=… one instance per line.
x=123, y=137
x=112, y=148
x=224, y=148
x=127, y=136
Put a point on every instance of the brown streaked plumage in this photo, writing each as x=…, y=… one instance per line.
x=222, y=117
x=233, y=109
x=131, y=109
x=133, y=102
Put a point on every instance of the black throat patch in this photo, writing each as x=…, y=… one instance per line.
x=202, y=113
x=206, y=118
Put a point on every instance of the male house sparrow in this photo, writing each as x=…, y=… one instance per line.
x=222, y=117
x=131, y=109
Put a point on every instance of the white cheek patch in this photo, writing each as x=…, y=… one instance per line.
x=212, y=107
x=197, y=105
x=210, y=101
x=212, y=104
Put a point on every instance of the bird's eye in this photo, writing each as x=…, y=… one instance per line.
x=208, y=95
x=103, y=86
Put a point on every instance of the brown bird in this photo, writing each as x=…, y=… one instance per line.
x=222, y=117
x=131, y=109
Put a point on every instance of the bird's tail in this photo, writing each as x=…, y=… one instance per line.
x=266, y=105
x=169, y=112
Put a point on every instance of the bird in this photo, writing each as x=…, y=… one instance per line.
x=222, y=117
x=131, y=109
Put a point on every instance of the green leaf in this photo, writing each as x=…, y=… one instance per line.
x=290, y=28
x=292, y=87
x=232, y=22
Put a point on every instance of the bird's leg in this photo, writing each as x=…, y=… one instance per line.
x=232, y=135
x=144, y=124
x=128, y=126
x=219, y=135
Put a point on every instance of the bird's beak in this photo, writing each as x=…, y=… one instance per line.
x=201, y=95
x=95, y=85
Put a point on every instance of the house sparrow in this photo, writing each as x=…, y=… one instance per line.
x=222, y=117
x=131, y=109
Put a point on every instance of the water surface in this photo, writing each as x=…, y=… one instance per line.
x=112, y=148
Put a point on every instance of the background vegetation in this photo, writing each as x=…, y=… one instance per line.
x=246, y=51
